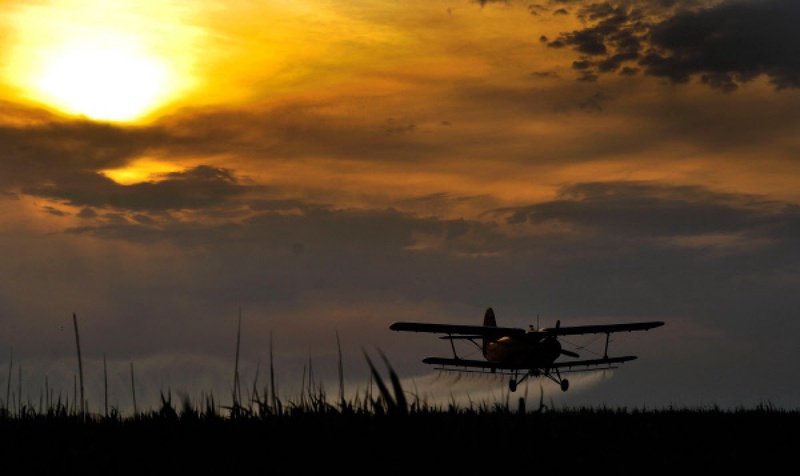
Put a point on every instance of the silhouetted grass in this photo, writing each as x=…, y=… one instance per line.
x=387, y=431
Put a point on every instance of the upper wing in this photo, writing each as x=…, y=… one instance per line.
x=487, y=331
x=600, y=328
x=477, y=331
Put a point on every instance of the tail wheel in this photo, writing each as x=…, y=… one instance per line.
x=512, y=385
x=564, y=385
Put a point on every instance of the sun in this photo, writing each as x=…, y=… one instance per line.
x=121, y=61
x=103, y=82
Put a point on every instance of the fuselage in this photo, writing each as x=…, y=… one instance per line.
x=529, y=350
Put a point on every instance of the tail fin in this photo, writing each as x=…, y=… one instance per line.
x=488, y=318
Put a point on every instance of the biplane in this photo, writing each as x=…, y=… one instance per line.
x=521, y=353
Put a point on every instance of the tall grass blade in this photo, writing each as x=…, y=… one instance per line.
x=254, y=397
x=133, y=392
x=342, y=403
x=391, y=406
x=236, y=387
x=105, y=387
x=80, y=363
x=399, y=394
x=8, y=388
x=19, y=395
x=273, y=392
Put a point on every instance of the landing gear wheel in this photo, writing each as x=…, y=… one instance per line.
x=512, y=385
x=564, y=385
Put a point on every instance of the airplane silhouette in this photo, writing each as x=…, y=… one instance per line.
x=520, y=352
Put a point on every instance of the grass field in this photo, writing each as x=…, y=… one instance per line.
x=387, y=432
x=605, y=440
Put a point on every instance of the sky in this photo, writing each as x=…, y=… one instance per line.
x=206, y=187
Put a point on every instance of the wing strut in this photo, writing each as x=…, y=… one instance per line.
x=453, y=345
x=605, y=353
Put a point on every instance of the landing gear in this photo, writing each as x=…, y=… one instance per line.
x=512, y=384
x=563, y=383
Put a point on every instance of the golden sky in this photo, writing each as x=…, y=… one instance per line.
x=374, y=161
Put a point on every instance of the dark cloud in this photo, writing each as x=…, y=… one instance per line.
x=604, y=222
x=645, y=209
x=616, y=36
x=392, y=126
x=732, y=43
x=42, y=148
x=282, y=224
x=483, y=3
x=87, y=213
x=54, y=211
x=722, y=45
x=300, y=128
x=535, y=9
x=42, y=152
x=199, y=187
x=595, y=102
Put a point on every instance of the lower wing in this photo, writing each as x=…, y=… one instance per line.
x=492, y=366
